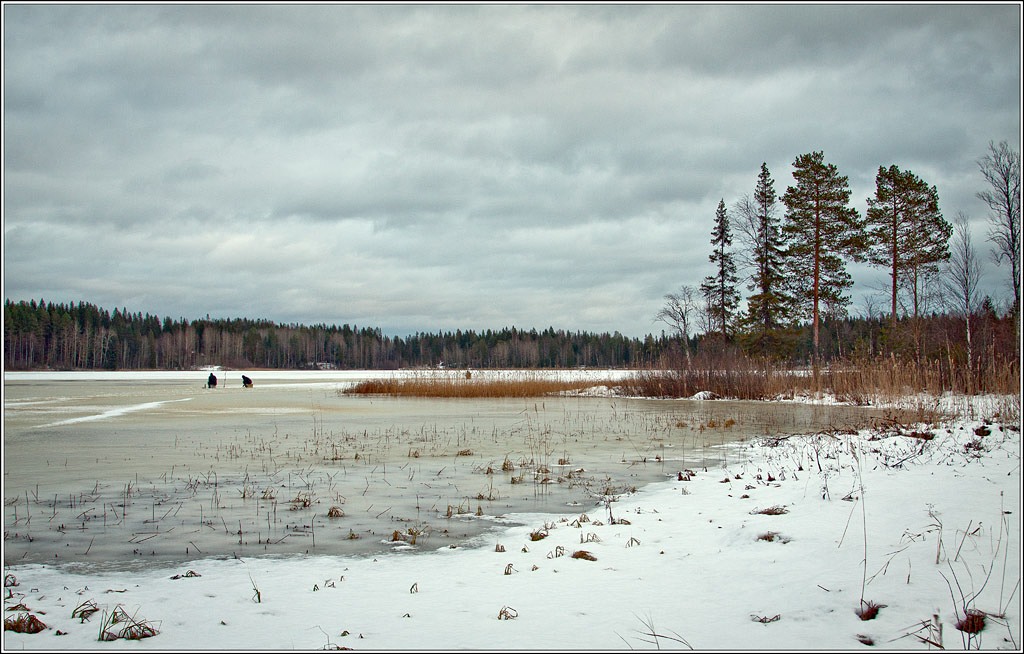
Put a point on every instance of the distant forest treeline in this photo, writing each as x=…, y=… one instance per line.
x=44, y=335
x=84, y=336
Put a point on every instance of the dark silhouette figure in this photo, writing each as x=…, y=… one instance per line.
x=246, y=382
x=211, y=382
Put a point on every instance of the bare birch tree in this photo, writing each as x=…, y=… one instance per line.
x=963, y=276
x=676, y=313
x=1001, y=169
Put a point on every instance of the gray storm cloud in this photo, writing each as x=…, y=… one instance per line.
x=422, y=167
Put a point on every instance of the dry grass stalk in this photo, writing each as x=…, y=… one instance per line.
x=507, y=613
x=583, y=554
x=772, y=510
x=765, y=619
x=558, y=551
x=189, y=574
x=257, y=596
x=335, y=512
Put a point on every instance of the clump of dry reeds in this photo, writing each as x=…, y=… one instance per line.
x=301, y=501
x=85, y=610
x=868, y=610
x=772, y=536
x=583, y=554
x=442, y=385
x=118, y=624
x=972, y=622
x=24, y=623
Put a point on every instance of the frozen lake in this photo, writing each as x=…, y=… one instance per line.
x=126, y=468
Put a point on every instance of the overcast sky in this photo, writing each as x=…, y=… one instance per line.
x=423, y=168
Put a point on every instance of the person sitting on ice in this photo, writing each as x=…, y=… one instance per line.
x=246, y=382
x=211, y=382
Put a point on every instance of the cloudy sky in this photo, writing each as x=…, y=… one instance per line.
x=424, y=168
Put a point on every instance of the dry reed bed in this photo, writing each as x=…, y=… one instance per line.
x=465, y=386
x=862, y=382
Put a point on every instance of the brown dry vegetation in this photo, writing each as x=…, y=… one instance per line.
x=24, y=623
x=868, y=610
x=454, y=386
x=864, y=381
x=583, y=554
x=972, y=622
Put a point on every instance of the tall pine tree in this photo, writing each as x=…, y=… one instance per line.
x=906, y=232
x=769, y=309
x=822, y=229
x=719, y=289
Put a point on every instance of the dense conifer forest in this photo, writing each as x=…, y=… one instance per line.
x=39, y=334
x=83, y=336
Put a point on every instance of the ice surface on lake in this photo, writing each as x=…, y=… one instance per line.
x=126, y=468
x=113, y=412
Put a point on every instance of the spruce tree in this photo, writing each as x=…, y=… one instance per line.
x=719, y=289
x=905, y=232
x=769, y=309
x=822, y=229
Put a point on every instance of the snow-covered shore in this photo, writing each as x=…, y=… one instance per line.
x=776, y=552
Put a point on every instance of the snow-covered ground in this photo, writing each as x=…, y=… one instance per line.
x=777, y=552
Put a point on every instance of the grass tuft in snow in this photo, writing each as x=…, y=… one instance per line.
x=24, y=623
x=869, y=610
